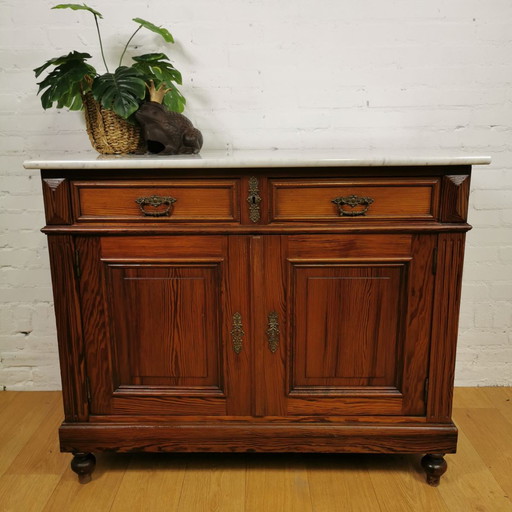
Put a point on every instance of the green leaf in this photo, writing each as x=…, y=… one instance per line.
x=174, y=100
x=157, y=30
x=120, y=91
x=61, y=60
x=156, y=67
x=150, y=57
x=64, y=84
x=78, y=7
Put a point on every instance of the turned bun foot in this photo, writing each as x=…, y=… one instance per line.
x=83, y=465
x=435, y=466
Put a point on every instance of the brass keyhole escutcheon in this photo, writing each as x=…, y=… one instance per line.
x=254, y=199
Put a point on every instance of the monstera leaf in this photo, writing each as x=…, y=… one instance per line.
x=174, y=100
x=156, y=67
x=65, y=84
x=78, y=7
x=120, y=91
x=157, y=30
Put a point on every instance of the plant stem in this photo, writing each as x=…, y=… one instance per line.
x=101, y=44
x=126, y=46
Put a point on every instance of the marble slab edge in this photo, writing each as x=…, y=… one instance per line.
x=247, y=160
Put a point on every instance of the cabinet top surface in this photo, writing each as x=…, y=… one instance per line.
x=216, y=159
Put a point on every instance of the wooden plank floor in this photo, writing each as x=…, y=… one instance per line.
x=35, y=476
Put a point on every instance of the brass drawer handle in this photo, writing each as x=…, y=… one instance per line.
x=273, y=331
x=155, y=202
x=237, y=333
x=352, y=201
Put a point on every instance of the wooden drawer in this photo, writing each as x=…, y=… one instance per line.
x=320, y=200
x=156, y=201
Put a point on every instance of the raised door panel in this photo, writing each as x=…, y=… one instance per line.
x=354, y=330
x=164, y=323
x=159, y=314
x=355, y=310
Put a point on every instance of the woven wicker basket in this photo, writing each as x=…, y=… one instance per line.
x=109, y=133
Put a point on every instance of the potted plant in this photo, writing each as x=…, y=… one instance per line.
x=111, y=99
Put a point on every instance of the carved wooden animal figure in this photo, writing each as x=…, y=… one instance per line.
x=166, y=132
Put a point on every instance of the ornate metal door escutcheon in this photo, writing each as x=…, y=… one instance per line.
x=254, y=199
x=352, y=201
x=237, y=333
x=155, y=202
x=273, y=331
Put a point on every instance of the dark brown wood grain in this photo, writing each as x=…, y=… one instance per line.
x=269, y=286
x=445, y=325
x=239, y=385
x=63, y=260
x=164, y=319
x=57, y=201
x=359, y=324
x=196, y=201
x=455, y=198
x=349, y=334
x=163, y=310
x=93, y=308
x=251, y=419
x=303, y=331
x=311, y=199
x=420, y=293
x=355, y=226
x=316, y=438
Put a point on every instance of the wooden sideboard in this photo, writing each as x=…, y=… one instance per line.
x=217, y=305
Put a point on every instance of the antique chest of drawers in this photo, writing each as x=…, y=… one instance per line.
x=257, y=302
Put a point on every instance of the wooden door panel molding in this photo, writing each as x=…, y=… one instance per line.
x=165, y=326
x=162, y=404
x=351, y=391
x=356, y=323
x=163, y=247
x=349, y=335
x=348, y=246
x=159, y=323
x=347, y=406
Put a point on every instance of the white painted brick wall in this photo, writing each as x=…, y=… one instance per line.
x=289, y=74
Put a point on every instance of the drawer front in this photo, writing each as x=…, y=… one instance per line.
x=327, y=200
x=156, y=201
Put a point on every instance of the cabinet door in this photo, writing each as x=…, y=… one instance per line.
x=345, y=324
x=157, y=319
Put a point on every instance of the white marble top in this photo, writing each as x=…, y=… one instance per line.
x=259, y=158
